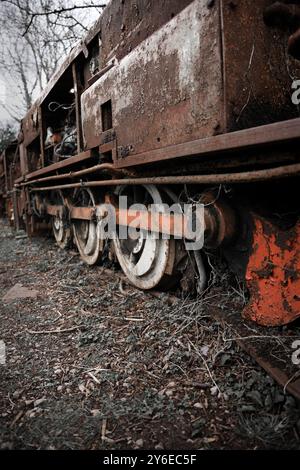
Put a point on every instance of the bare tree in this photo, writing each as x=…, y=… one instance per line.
x=7, y=135
x=35, y=35
x=55, y=11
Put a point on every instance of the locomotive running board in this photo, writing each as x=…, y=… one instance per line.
x=81, y=157
x=285, y=131
x=268, y=134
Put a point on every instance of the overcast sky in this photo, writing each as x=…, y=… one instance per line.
x=3, y=98
x=9, y=95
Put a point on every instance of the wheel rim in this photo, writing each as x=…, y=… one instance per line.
x=147, y=260
x=61, y=228
x=86, y=237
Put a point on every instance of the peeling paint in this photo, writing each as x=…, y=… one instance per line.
x=160, y=80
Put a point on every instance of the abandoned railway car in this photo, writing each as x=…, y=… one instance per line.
x=9, y=172
x=175, y=102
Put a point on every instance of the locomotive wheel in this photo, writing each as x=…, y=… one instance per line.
x=89, y=245
x=148, y=262
x=38, y=205
x=60, y=226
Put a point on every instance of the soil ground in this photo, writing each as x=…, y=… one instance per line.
x=92, y=363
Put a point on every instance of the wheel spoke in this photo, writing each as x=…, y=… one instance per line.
x=86, y=234
x=61, y=229
x=148, y=260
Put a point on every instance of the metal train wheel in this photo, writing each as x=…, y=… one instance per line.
x=38, y=205
x=86, y=236
x=148, y=262
x=60, y=225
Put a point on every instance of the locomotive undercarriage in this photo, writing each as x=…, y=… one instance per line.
x=254, y=231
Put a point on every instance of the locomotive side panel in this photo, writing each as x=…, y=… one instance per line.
x=168, y=90
x=211, y=69
x=124, y=25
x=258, y=71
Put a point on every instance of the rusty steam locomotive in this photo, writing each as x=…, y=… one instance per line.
x=171, y=101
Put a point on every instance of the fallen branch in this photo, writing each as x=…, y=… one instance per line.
x=134, y=319
x=206, y=365
x=294, y=377
x=94, y=378
x=53, y=332
x=103, y=430
x=239, y=338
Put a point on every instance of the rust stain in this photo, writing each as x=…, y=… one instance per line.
x=272, y=275
x=161, y=92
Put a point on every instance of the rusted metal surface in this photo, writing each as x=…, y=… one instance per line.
x=121, y=31
x=82, y=213
x=218, y=224
x=287, y=131
x=12, y=165
x=183, y=104
x=160, y=92
x=294, y=44
x=258, y=73
x=9, y=171
x=31, y=126
x=106, y=167
x=54, y=210
x=232, y=178
x=150, y=119
x=2, y=185
x=9, y=210
x=78, y=89
x=173, y=225
x=59, y=165
x=286, y=16
x=196, y=40
x=221, y=222
x=21, y=202
x=273, y=274
x=124, y=25
x=23, y=162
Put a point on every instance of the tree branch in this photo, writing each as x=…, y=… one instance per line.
x=56, y=11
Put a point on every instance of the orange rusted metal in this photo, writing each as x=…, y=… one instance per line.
x=273, y=274
x=170, y=224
